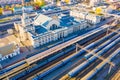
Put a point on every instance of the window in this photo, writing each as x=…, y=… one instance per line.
x=53, y=27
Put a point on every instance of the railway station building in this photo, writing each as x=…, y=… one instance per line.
x=44, y=29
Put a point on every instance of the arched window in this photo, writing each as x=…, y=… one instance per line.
x=53, y=27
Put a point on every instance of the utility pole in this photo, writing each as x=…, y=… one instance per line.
x=110, y=69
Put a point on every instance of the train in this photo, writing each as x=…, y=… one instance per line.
x=101, y=47
x=76, y=70
x=53, y=58
x=42, y=63
x=10, y=68
x=50, y=51
x=63, y=62
x=46, y=60
x=100, y=66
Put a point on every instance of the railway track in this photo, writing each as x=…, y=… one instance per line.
x=25, y=65
x=93, y=65
x=49, y=65
x=83, y=73
x=72, y=66
x=28, y=63
x=115, y=73
x=56, y=77
x=79, y=62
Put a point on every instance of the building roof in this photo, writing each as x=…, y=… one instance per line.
x=28, y=6
x=46, y=23
x=67, y=21
x=40, y=29
x=6, y=10
x=16, y=8
x=41, y=19
x=6, y=47
x=46, y=7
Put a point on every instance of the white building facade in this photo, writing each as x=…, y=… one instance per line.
x=9, y=51
x=91, y=18
x=46, y=29
x=95, y=2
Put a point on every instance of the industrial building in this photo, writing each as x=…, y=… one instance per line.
x=44, y=29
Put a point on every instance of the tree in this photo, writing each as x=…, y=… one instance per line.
x=98, y=10
x=7, y=7
x=40, y=3
x=1, y=9
x=67, y=1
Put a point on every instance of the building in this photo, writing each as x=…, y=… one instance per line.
x=6, y=12
x=95, y=2
x=115, y=6
x=110, y=1
x=91, y=18
x=17, y=10
x=70, y=1
x=4, y=2
x=26, y=9
x=8, y=50
x=44, y=29
x=51, y=1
